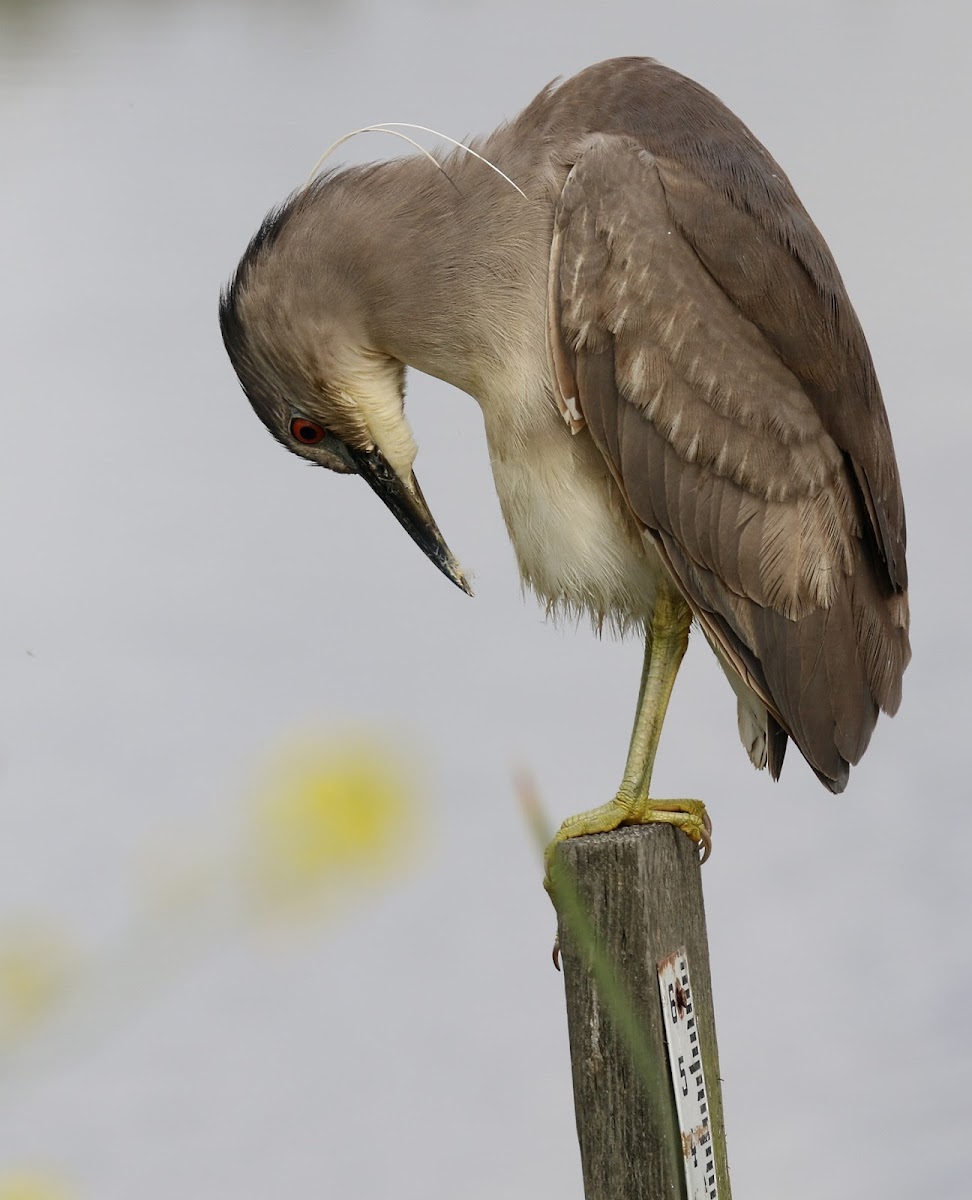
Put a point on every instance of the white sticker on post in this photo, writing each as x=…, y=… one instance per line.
x=688, y=1077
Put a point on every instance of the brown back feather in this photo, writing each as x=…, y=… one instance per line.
x=722, y=371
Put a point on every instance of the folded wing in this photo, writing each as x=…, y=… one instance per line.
x=700, y=329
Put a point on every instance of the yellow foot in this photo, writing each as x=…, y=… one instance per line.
x=688, y=815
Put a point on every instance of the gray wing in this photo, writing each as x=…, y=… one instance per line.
x=717, y=362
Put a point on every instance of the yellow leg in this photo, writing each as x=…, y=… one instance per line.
x=665, y=646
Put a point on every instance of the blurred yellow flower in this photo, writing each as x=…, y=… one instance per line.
x=36, y=968
x=30, y=1186
x=326, y=813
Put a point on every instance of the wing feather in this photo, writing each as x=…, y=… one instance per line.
x=733, y=408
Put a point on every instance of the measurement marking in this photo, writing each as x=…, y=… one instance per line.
x=684, y=1049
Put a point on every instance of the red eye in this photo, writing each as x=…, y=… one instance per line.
x=307, y=431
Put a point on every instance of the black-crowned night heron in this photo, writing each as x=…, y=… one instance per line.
x=682, y=413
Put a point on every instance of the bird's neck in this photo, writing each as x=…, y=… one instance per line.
x=460, y=269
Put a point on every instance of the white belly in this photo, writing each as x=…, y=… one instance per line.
x=577, y=546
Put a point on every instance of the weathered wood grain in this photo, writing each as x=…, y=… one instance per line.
x=641, y=891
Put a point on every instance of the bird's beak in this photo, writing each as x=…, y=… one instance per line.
x=408, y=504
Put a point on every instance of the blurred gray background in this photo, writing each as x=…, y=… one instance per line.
x=178, y=592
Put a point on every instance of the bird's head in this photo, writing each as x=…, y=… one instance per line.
x=297, y=332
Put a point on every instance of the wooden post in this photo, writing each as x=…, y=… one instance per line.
x=640, y=890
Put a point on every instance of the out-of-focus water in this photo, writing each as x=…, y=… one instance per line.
x=178, y=594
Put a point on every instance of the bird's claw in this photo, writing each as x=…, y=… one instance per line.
x=688, y=815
